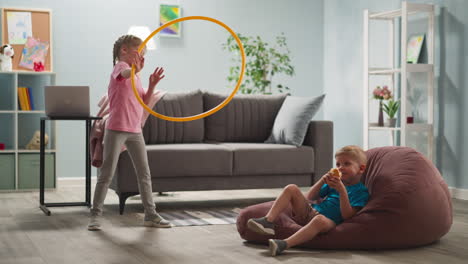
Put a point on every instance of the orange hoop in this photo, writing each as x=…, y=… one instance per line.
x=204, y=114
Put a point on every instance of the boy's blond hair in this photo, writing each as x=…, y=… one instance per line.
x=354, y=152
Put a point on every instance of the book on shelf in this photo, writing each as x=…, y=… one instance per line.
x=31, y=99
x=21, y=99
x=25, y=99
x=415, y=44
x=28, y=101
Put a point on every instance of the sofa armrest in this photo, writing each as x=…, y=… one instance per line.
x=320, y=136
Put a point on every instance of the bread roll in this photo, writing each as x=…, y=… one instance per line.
x=335, y=172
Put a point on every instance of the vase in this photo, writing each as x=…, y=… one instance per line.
x=381, y=122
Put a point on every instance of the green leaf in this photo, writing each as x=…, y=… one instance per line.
x=263, y=62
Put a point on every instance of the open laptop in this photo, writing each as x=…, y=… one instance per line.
x=66, y=101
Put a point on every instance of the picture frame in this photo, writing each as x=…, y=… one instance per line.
x=167, y=13
x=415, y=43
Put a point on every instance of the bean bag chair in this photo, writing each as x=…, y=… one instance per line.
x=409, y=206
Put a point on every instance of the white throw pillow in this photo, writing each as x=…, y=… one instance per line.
x=293, y=118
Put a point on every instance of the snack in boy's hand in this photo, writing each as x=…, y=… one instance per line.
x=335, y=172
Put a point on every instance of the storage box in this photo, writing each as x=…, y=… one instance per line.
x=29, y=170
x=7, y=175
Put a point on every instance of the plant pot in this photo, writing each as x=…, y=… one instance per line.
x=391, y=122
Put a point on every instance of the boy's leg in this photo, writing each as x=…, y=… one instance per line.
x=291, y=195
x=136, y=148
x=113, y=142
x=318, y=224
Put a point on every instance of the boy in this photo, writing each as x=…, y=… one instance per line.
x=343, y=197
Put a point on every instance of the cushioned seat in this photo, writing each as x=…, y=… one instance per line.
x=176, y=160
x=410, y=205
x=267, y=159
x=191, y=156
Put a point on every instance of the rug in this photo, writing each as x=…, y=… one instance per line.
x=200, y=217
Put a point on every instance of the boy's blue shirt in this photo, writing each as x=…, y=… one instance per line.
x=330, y=207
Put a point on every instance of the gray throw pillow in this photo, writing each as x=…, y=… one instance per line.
x=293, y=118
x=177, y=104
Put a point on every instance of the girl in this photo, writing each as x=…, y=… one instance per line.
x=124, y=127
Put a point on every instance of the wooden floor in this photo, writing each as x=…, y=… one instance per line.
x=28, y=236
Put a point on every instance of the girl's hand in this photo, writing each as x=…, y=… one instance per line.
x=156, y=77
x=138, y=61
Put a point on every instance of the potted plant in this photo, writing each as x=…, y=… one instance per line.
x=381, y=94
x=391, y=108
x=262, y=63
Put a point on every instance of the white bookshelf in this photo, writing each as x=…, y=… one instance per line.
x=20, y=166
x=397, y=75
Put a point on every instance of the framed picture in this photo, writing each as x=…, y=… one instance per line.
x=413, y=51
x=168, y=13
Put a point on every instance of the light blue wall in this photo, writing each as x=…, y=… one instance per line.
x=343, y=77
x=84, y=32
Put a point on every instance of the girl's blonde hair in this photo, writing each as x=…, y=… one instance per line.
x=354, y=152
x=125, y=40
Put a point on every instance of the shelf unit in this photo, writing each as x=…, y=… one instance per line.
x=20, y=166
x=402, y=72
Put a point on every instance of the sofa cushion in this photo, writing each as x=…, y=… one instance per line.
x=159, y=131
x=268, y=159
x=247, y=118
x=293, y=118
x=196, y=159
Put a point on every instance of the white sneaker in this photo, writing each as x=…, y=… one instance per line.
x=157, y=221
x=94, y=223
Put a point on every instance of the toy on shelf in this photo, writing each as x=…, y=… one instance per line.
x=35, y=142
x=38, y=66
x=6, y=57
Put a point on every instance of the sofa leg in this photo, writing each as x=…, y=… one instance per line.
x=122, y=198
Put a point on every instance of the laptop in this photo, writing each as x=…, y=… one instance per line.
x=66, y=101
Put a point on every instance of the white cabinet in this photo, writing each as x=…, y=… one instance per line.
x=412, y=84
x=18, y=165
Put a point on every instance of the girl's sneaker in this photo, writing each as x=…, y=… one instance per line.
x=156, y=221
x=94, y=223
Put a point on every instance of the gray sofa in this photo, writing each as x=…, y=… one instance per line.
x=224, y=151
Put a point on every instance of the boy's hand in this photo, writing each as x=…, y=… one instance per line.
x=334, y=182
x=325, y=177
x=138, y=61
x=156, y=77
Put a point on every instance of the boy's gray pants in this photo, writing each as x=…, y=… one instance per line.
x=113, y=141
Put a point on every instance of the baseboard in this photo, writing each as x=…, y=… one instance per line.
x=459, y=193
x=68, y=181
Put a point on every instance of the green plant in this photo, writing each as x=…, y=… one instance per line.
x=391, y=108
x=262, y=63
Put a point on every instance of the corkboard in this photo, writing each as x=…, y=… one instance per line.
x=41, y=29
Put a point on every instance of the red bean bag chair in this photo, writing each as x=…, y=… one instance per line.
x=409, y=206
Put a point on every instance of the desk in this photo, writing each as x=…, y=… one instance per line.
x=87, y=201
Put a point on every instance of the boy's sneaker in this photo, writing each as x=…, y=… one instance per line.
x=277, y=246
x=261, y=225
x=156, y=221
x=94, y=223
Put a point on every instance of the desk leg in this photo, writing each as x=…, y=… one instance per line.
x=42, y=170
x=88, y=165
